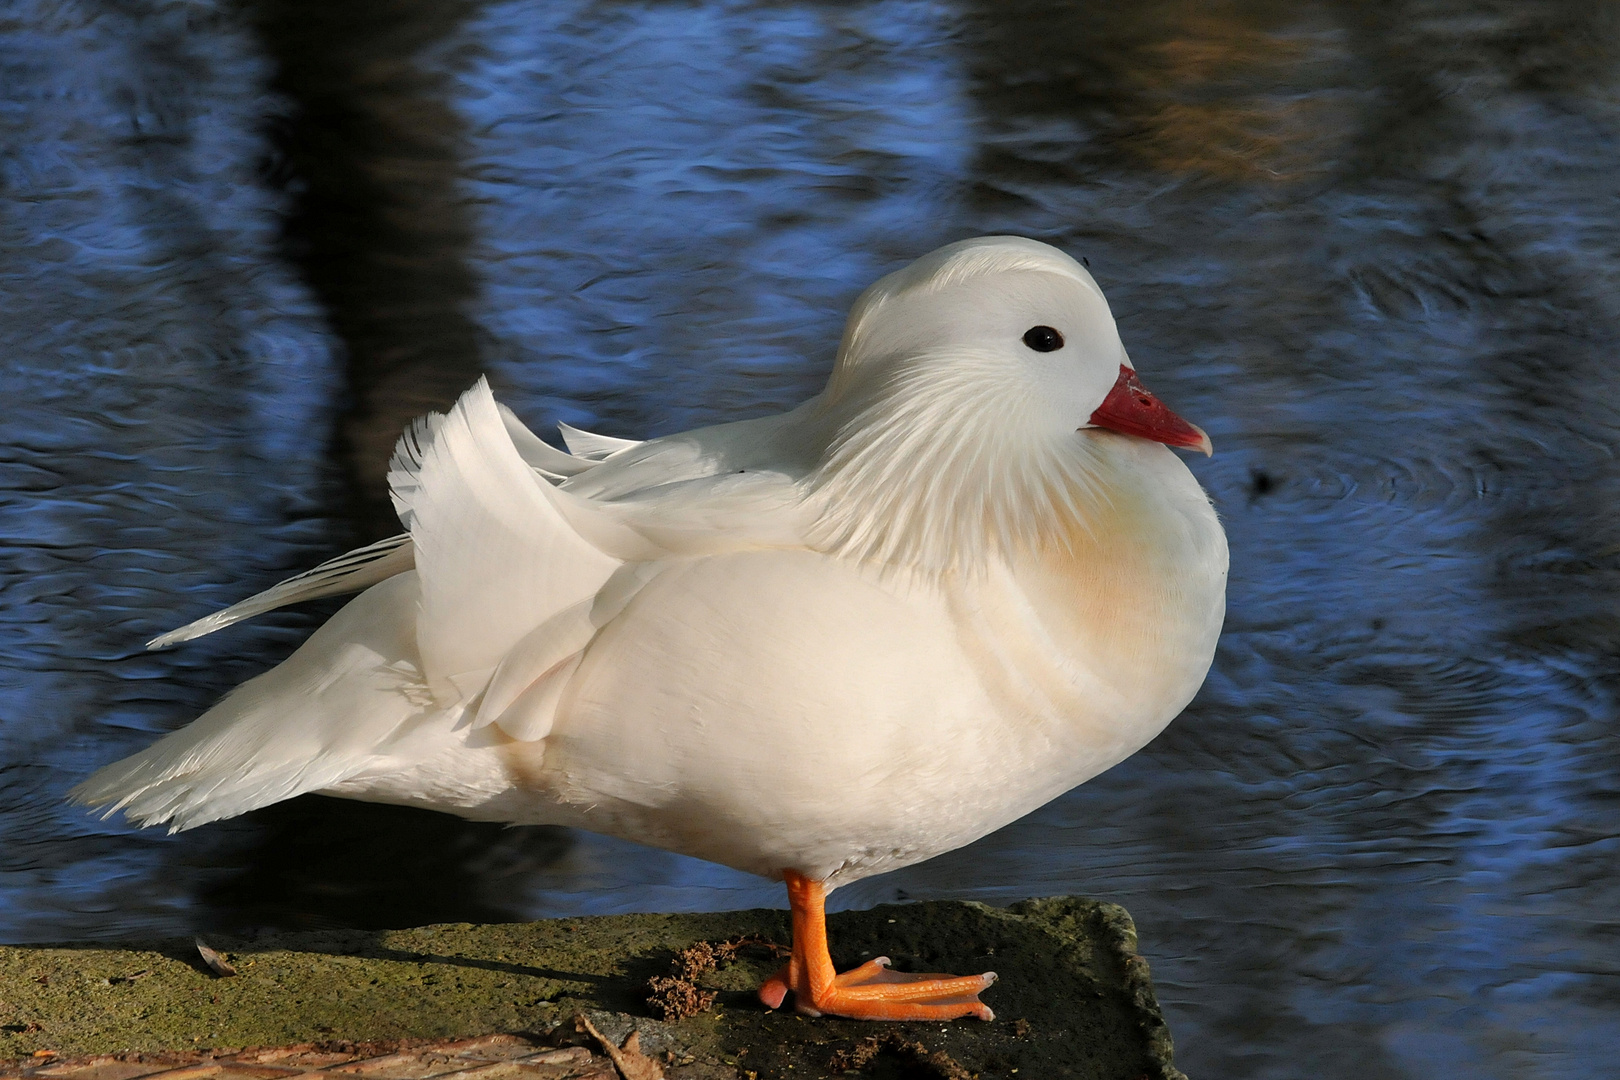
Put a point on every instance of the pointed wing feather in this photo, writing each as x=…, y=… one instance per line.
x=351, y=572
x=539, y=453
x=588, y=445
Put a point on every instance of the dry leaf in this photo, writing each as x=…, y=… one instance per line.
x=216, y=963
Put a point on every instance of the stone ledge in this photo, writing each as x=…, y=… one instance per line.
x=1074, y=1000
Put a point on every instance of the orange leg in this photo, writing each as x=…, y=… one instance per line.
x=869, y=992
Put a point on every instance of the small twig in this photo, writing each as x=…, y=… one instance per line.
x=628, y=1059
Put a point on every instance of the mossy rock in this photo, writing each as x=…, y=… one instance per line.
x=1074, y=999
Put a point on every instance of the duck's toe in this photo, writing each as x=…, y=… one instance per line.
x=873, y=992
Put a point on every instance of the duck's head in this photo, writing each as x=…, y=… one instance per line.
x=965, y=410
x=1005, y=318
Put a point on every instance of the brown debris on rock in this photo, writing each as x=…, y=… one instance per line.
x=936, y=1064
x=674, y=999
x=678, y=996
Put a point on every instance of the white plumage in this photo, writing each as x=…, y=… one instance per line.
x=835, y=641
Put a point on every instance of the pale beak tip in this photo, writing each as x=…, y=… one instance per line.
x=1206, y=446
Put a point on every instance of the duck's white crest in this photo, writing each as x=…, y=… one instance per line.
x=951, y=265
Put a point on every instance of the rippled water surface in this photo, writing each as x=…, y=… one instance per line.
x=1372, y=248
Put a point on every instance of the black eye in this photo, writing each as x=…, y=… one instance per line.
x=1043, y=339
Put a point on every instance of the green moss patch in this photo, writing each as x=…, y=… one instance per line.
x=1074, y=998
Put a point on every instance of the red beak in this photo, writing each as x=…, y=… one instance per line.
x=1130, y=409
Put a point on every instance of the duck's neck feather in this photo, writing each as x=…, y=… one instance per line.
x=943, y=477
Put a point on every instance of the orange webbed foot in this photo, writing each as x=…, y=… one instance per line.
x=869, y=992
x=873, y=992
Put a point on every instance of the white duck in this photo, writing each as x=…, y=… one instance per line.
x=961, y=580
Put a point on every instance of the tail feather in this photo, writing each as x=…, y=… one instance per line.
x=316, y=719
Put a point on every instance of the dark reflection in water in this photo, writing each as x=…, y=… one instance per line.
x=367, y=153
x=1371, y=247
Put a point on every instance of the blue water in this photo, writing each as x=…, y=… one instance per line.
x=1373, y=249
